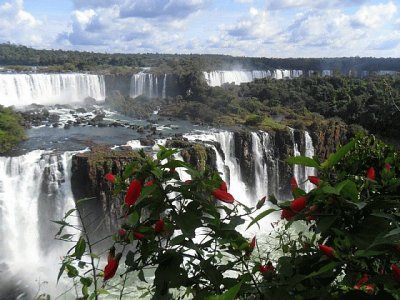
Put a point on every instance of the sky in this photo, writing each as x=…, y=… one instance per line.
x=260, y=28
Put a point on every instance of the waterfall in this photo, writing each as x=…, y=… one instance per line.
x=25, y=89
x=301, y=173
x=146, y=84
x=34, y=189
x=218, y=78
x=309, y=152
x=260, y=166
x=164, y=88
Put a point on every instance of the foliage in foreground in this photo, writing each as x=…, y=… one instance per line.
x=185, y=233
x=11, y=130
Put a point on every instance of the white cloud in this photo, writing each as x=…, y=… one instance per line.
x=319, y=4
x=374, y=16
x=18, y=25
x=258, y=24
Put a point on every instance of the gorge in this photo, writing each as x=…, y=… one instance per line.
x=42, y=184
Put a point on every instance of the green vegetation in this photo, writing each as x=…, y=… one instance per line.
x=179, y=63
x=306, y=102
x=11, y=129
x=338, y=241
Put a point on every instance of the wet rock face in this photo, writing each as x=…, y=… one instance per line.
x=87, y=181
x=327, y=138
x=244, y=154
x=118, y=83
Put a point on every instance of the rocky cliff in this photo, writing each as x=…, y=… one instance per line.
x=87, y=181
x=261, y=158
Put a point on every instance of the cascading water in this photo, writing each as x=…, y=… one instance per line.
x=25, y=89
x=260, y=166
x=309, y=152
x=218, y=78
x=299, y=172
x=146, y=84
x=34, y=189
x=164, y=88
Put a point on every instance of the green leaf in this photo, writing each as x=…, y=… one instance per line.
x=62, y=268
x=327, y=189
x=324, y=269
x=144, y=295
x=102, y=292
x=334, y=158
x=87, y=281
x=324, y=223
x=85, y=291
x=133, y=218
x=367, y=253
x=260, y=216
x=80, y=248
x=302, y=160
x=66, y=237
x=72, y=271
x=392, y=232
x=68, y=213
x=177, y=164
x=229, y=294
x=147, y=191
x=141, y=276
x=84, y=200
x=348, y=189
x=165, y=153
x=177, y=240
x=261, y=202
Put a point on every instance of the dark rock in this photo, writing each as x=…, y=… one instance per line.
x=147, y=142
x=81, y=110
x=89, y=101
x=67, y=126
x=87, y=181
x=54, y=118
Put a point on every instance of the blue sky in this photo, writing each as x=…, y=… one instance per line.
x=268, y=28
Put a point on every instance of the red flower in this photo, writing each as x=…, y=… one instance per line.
x=223, y=196
x=388, y=167
x=188, y=181
x=396, y=272
x=149, y=183
x=133, y=192
x=371, y=173
x=112, y=266
x=109, y=177
x=361, y=282
x=121, y=232
x=328, y=251
x=314, y=180
x=223, y=186
x=287, y=214
x=267, y=268
x=138, y=235
x=293, y=183
x=159, y=226
x=369, y=288
x=253, y=243
x=298, y=204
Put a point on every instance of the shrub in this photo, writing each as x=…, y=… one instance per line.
x=186, y=231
